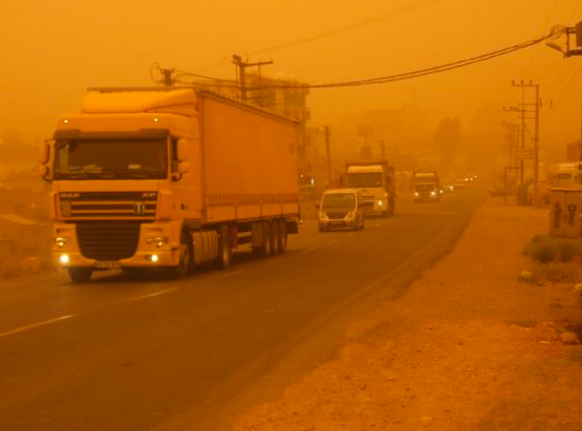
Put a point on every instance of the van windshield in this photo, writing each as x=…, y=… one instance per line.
x=338, y=200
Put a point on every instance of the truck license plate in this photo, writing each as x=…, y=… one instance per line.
x=107, y=264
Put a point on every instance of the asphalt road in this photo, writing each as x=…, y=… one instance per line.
x=123, y=353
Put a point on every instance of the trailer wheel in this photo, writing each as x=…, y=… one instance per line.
x=183, y=268
x=282, y=237
x=80, y=275
x=224, y=250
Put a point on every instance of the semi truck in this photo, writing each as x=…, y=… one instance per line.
x=169, y=177
x=426, y=186
x=377, y=182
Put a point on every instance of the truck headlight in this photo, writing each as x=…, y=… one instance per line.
x=64, y=259
x=433, y=193
x=379, y=203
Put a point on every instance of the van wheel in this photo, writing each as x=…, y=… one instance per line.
x=80, y=275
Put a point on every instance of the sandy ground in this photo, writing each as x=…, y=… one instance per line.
x=469, y=347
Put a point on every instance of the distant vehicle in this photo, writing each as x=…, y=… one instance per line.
x=448, y=188
x=341, y=208
x=460, y=184
x=426, y=186
x=377, y=181
x=568, y=175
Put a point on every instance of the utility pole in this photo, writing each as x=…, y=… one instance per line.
x=524, y=109
x=328, y=155
x=571, y=51
x=382, y=150
x=241, y=66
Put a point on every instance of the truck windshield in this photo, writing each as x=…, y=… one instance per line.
x=338, y=200
x=365, y=179
x=111, y=159
x=424, y=179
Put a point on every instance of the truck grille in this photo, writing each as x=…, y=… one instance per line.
x=108, y=205
x=108, y=240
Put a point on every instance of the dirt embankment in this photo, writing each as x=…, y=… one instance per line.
x=469, y=347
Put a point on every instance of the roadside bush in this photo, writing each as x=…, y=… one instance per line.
x=546, y=249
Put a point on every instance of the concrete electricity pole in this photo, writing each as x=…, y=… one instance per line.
x=241, y=66
x=328, y=155
x=571, y=51
x=533, y=109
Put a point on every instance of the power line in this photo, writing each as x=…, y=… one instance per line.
x=407, y=75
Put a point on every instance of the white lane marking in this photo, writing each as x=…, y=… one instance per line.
x=332, y=242
x=151, y=295
x=309, y=250
x=228, y=274
x=36, y=325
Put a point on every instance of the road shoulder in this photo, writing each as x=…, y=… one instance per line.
x=470, y=346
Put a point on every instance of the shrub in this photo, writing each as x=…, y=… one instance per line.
x=546, y=249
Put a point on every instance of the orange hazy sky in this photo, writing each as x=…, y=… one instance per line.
x=52, y=51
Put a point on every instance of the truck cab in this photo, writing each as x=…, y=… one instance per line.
x=376, y=181
x=426, y=186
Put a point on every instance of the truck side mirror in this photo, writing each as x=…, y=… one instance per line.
x=182, y=150
x=44, y=169
x=45, y=151
x=183, y=167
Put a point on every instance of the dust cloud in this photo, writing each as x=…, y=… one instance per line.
x=53, y=51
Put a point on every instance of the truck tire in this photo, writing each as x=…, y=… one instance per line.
x=80, y=275
x=224, y=249
x=282, y=237
x=267, y=247
x=181, y=270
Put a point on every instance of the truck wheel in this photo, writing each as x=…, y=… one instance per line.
x=282, y=238
x=80, y=275
x=183, y=268
x=224, y=249
x=267, y=248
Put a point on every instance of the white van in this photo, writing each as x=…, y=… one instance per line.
x=341, y=208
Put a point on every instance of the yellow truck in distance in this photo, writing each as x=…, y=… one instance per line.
x=169, y=177
x=377, y=182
